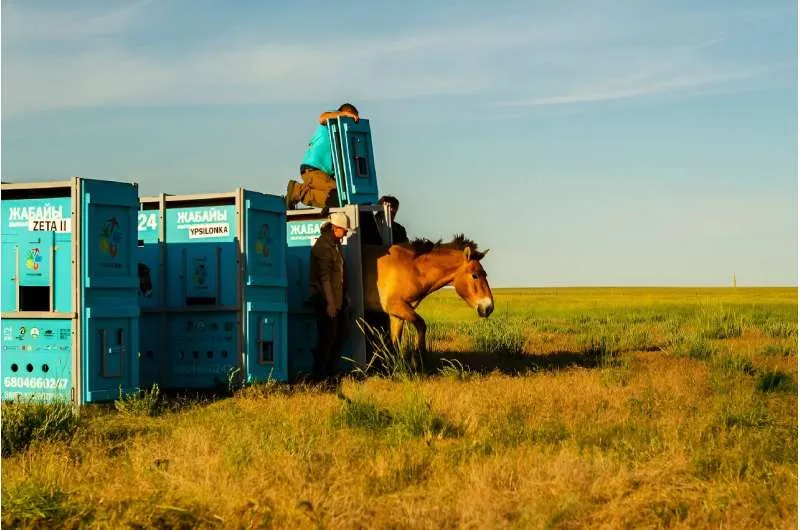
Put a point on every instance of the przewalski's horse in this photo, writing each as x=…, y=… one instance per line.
x=397, y=279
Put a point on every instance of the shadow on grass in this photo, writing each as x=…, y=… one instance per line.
x=513, y=364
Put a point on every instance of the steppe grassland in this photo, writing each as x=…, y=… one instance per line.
x=567, y=408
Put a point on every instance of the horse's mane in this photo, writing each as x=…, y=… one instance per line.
x=423, y=245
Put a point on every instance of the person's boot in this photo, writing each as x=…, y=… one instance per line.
x=290, y=199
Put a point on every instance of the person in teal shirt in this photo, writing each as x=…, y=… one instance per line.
x=318, y=188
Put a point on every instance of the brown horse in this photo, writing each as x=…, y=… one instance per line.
x=398, y=279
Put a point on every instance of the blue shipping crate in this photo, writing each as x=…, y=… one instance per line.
x=353, y=161
x=69, y=305
x=224, y=283
x=302, y=231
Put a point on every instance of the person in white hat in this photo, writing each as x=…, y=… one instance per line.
x=328, y=286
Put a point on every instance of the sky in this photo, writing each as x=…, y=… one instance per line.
x=585, y=142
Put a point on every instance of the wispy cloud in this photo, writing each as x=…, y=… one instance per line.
x=24, y=23
x=633, y=88
x=52, y=60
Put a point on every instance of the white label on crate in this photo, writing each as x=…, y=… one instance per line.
x=202, y=216
x=44, y=383
x=50, y=225
x=304, y=229
x=209, y=230
x=18, y=216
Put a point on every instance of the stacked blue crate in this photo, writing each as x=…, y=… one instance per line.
x=69, y=307
x=224, y=292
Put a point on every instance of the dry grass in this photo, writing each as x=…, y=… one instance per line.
x=624, y=411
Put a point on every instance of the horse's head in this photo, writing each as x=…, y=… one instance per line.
x=471, y=285
x=145, y=282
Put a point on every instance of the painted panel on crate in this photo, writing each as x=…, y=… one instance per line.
x=44, y=214
x=37, y=358
x=35, y=258
x=202, y=350
x=201, y=224
x=302, y=233
x=202, y=272
x=36, y=252
x=265, y=244
x=111, y=240
x=201, y=261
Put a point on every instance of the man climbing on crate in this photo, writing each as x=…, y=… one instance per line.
x=318, y=188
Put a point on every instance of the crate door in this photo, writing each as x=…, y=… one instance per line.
x=351, y=148
x=110, y=293
x=265, y=241
x=108, y=358
x=266, y=346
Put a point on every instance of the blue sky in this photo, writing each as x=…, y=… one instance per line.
x=589, y=142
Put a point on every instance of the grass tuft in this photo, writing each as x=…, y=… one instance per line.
x=776, y=381
x=734, y=364
x=30, y=420
x=719, y=323
x=140, y=402
x=779, y=329
x=454, y=370
x=387, y=360
x=361, y=412
x=691, y=345
x=498, y=336
x=779, y=350
x=413, y=417
x=33, y=505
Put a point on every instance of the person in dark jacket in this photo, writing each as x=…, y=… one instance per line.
x=328, y=298
x=398, y=230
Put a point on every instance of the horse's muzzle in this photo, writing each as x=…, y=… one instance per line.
x=485, y=307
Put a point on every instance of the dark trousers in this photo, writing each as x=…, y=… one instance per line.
x=331, y=333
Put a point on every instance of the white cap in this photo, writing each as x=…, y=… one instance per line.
x=341, y=220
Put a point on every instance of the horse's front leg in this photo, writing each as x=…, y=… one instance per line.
x=421, y=328
x=401, y=311
x=396, y=329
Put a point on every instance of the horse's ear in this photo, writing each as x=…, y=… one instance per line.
x=478, y=255
x=467, y=253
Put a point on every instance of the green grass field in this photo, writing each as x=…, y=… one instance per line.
x=568, y=408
